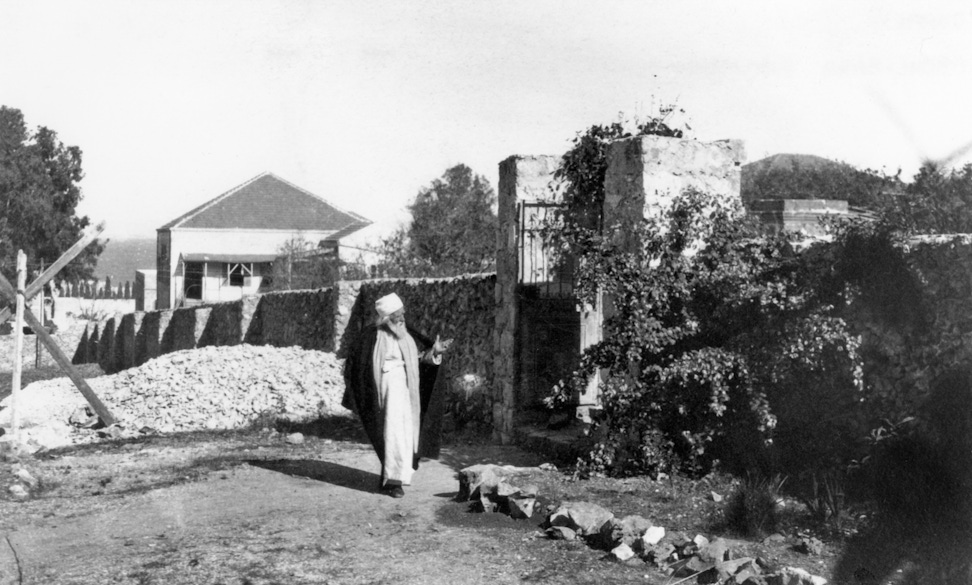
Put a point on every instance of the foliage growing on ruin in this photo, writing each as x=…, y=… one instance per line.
x=712, y=349
x=701, y=340
x=452, y=231
x=583, y=167
x=39, y=194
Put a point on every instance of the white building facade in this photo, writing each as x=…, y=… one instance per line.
x=225, y=248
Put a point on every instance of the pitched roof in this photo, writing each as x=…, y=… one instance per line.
x=267, y=202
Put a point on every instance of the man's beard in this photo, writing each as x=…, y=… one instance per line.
x=397, y=329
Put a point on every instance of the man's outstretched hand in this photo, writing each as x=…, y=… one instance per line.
x=441, y=345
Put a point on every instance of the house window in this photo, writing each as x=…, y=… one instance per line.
x=237, y=273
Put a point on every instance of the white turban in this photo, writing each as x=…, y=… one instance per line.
x=387, y=305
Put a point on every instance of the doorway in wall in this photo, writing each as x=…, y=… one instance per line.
x=192, y=281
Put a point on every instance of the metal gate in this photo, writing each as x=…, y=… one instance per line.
x=548, y=273
x=548, y=335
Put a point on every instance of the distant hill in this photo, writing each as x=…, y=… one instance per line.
x=789, y=161
x=807, y=176
x=122, y=257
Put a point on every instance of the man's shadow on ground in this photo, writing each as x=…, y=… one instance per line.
x=326, y=471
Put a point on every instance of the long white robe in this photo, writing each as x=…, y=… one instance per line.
x=399, y=430
x=400, y=427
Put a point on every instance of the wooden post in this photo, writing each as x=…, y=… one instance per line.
x=18, y=344
x=43, y=318
x=22, y=293
x=65, y=363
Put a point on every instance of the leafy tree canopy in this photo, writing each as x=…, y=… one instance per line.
x=301, y=265
x=937, y=201
x=39, y=192
x=453, y=229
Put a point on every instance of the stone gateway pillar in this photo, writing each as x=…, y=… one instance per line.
x=645, y=173
x=521, y=178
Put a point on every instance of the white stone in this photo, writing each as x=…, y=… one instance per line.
x=622, y=552
x=653, y=535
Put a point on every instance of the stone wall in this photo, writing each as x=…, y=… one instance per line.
x=329, y=320
x=301, y=318
x=462, y=309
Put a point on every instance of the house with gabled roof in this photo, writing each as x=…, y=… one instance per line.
x=225, y=248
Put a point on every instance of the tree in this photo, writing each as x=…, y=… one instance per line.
x=937, y=201
x=301, y=265
x=39, y=193
x=453, y=229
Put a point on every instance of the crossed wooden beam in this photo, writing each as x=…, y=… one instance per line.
x=10, y=293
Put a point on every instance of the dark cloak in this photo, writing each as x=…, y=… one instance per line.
x=361, y=394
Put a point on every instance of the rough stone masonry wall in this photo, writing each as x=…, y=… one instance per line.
x=328, y=319
x=304, y=318
x=462, y=309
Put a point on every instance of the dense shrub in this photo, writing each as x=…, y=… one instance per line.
x=720, y=342
x=701, y=338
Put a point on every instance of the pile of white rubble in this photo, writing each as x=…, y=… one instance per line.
x=207, y=388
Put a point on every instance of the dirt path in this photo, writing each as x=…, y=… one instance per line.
x=261, y=523
x=264, y=513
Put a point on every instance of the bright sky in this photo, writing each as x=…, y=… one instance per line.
x=364, y=103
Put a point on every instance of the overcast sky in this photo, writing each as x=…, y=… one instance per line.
x=364, y=103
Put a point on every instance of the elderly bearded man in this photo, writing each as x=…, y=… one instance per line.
x=390, y=383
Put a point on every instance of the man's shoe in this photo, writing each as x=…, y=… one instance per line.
x=396, y=491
